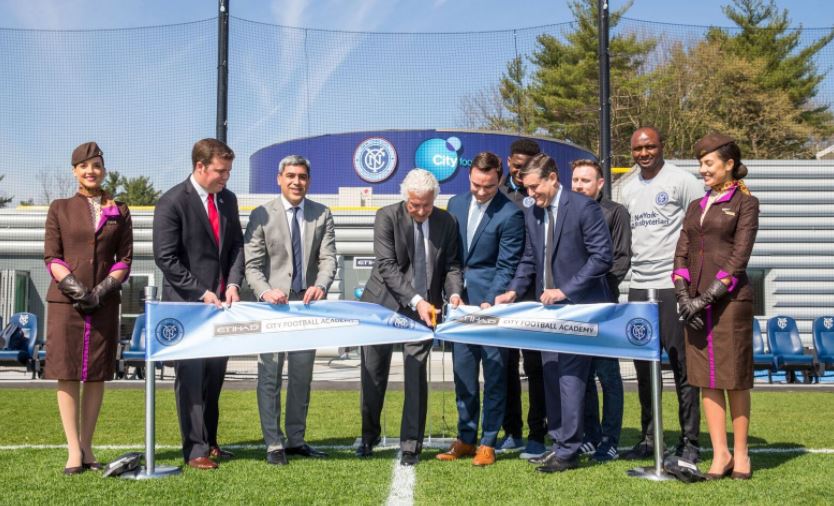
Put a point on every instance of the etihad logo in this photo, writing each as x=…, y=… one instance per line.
x=290, y=324
x=549, y=325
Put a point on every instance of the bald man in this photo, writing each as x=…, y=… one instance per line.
x=656, y=196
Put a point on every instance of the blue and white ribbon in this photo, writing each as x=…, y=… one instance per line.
x=184, y=330
x=181, y=330
x=601, y=330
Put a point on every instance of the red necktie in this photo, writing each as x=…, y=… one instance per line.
x=214, y=218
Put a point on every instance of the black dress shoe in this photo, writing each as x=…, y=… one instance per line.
x=305, y=450
x=409, y=459
x=640, y=451
x=366, y=449
x=541, y=459
x=276, y=457
x=556, y=465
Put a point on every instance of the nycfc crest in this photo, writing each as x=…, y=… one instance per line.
x=400, y=322
x=375, y=160
x=169, y=332
x=661, y=198
x=639, y=331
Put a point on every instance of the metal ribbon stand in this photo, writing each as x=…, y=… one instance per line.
x=654, y=473
x=150, y=470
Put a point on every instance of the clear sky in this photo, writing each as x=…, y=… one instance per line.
x=72, y=73
x=370, y=15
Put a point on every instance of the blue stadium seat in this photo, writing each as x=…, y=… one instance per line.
x=823, y=332
x=25, y=354
x=786, y=346
x=132, y=352
x=761, y=359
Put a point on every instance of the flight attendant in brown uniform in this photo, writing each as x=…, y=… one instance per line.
x=716, y=300
x=88, y=248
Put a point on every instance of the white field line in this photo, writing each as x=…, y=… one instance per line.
x=402, y=485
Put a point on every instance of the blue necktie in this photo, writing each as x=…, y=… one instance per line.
x=297, y=285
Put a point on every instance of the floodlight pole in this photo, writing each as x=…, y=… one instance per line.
x=654, y=473
x=151, y=470
x=604, y=98
x=222, y=69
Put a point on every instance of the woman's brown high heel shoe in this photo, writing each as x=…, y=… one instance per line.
x=95, y=466
x=728, y=471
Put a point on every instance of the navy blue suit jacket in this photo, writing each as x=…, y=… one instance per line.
x=491, y=261
x=583, y=254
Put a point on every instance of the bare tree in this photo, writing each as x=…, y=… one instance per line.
x=56, y=184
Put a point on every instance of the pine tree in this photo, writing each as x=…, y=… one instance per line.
x=765, y=36
x=565, y=82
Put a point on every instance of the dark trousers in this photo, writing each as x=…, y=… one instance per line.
x=197, y=387
x=536, y=411
x=565, y=377
x=672, y=340
x=466, y=360
x=375, y=367
x=608, y=372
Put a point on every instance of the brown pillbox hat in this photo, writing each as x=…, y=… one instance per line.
x=85, y=152
x=710, y=143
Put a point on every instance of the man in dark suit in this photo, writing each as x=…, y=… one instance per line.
x=198, y=246
x=290, y=250
x=521, y=150
x=417, y=262
x=601, y=439
x=491, y=234
x=567, y=255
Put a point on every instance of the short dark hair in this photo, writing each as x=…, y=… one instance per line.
x=206, y=149
x=660, y=136
x=542, y=165
x=582, y=162
x=525, y=146
x=486, y=162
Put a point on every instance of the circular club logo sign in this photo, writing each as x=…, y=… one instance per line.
x=169, y=332
x=639, y=331
x=375, y=160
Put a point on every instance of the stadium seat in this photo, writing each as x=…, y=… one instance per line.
x=786, y=347
x=131, y=351
x=761, y=359
x=823, y=332
x=25, y=352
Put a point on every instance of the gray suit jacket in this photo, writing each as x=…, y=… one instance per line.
x=267, y=247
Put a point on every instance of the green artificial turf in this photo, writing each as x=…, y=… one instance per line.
x=33, y=475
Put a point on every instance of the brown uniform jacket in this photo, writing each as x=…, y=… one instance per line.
x=90, y=254
x=721, y=246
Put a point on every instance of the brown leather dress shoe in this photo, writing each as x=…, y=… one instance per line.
x=485, y=456
x=218, y=453
x=202, y=463
x=458, y=450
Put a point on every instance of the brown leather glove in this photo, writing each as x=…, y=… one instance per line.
x=75, y=290
x=714, y=291
x=682, y=294
x=99, y=292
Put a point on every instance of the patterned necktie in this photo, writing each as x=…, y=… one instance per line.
x=472, y=224
x=420, y=274
x=214, y=218
x=548, y=251
x=297, y=285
